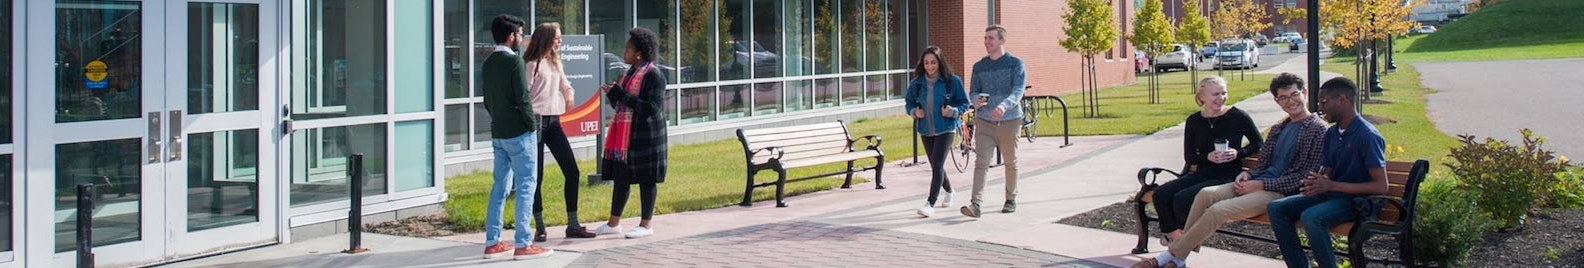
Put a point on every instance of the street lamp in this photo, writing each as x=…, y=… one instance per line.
x=1374, y=64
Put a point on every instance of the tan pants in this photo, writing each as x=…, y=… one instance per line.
x=1214, y=206
x=990, y=137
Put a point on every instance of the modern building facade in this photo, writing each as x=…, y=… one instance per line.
x=210, y=126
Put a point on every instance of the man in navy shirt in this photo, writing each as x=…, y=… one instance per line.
x=1354, y=165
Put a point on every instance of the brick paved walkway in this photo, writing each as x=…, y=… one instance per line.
x=811, y=244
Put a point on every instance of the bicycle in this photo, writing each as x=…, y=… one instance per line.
x=964, y=145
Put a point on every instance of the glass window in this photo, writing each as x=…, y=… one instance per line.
x=5, y=89
x=736, y=52
x=877, y=87
x=456, y=129
x=99, y=62
x=319, y=162
x=661, y=17
x=670, y=106
x=877, y=22
x=341, y=70
x=825, y=36
x=799, y=39
x=567, y=12
x=415, y=60
x=612, y=19
x=852, y=29
x=899, y=83
x=222, y=58
x=852, y=88
x=222, y=178
x=414, y=155
x=698, y=105
x=767, y=38
x=483, y=42
x=767, y=98
x=825, y=93
x=799, y=95
x=481, y=127
x=698, y=40
x=733, y=101
x=116, y=170
x=5, y=184
x=900, y=14
x=918, y=34
x=456, y=34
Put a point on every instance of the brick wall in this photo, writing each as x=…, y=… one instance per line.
x=1033, y=34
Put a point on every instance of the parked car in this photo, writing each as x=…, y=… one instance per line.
x=1261, y=40
x=1288, y=37
x=742, y=53
x=1295, y=44
x=1208, y=51
x=1140, y=62
x=1427, y=29
x=1177, y=56
x=1241, y=54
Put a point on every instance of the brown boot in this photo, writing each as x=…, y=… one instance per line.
x=1148, y=263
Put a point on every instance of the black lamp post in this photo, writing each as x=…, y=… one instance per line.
x=1314, y=54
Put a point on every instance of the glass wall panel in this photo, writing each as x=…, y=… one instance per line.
x=116, y=170
x=222, y=179
x=5, y=90
x=660, y=16
x=456, y=127
x=733, y=101
x=698, y=105
x=483, y=43
x=799, y=56
x=852, y=88
x=222, y=58
x=736, y=53
x=481, y=127
x=699, y=29
x=340, y=71
x=414, y=155
x=456, y=34
x=567, y=12
x=799, y=95
x=899, y=83
x=825, y=37
x=319, y=162
x=899, y=42
x=767, y=30
x=877, y=87
x=414, y=57
x=877, y=24
x=612, y=19
x=826, y=93
x=767, y=98
x=5, y=188
x=99, y=62
x=671, y=107
x=852, y=35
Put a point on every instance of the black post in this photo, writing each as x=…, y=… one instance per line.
x=85, y=205
x=1391, y=54
x=1374, y=70
x=355, y=213
x=1314, y=55
x=915, y=143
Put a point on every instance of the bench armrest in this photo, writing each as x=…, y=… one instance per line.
x=874, y=142
x=1374, y=204
x=772, y=149
x=1152, y=174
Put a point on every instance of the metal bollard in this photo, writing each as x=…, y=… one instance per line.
x=85, y=205
x=355, y=213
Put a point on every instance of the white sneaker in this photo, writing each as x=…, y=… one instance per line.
x=639, y=232
x=926, y=211
x=946, y=201
x=605, y=229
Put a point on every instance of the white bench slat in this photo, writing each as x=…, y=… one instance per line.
x=754, y=140
x=799, y=141
x=829, y=159
x=778, y=130
x=789, y=156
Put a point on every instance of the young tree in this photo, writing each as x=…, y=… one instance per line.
x=1090, y=30
x=1195, y=30
x=1152, y=32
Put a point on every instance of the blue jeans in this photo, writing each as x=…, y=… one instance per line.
x=1318, y=214
x=514, y=166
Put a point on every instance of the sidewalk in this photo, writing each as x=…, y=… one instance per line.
x=860, y=226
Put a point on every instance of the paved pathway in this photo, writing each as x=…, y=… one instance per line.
x=1497, y=98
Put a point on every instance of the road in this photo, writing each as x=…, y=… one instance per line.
x=1497, y=98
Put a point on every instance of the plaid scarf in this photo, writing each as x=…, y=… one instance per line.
x=619, y=136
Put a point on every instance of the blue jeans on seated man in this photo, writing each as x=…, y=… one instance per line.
x=1317, y=214
x=514, y=167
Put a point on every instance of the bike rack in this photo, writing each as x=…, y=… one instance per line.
x=1040, y=103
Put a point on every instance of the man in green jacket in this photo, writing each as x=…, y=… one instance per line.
x=505, y=87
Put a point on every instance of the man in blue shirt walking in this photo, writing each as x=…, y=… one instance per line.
x=1354, y=165
x=997, y=89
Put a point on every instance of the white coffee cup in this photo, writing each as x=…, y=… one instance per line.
x=1221, y=145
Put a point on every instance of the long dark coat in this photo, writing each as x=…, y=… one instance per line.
x=647, y=148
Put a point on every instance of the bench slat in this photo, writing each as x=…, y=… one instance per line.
x=800, y=141
x=789, y=129
x=825, y=132
x=1340, y=229
x=837, y=158
x=806, y=151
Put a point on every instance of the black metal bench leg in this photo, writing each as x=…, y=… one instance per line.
x=1356, y=242
x=780, y=185
x=848, y=183
x=879, y=166
x=1143, y=229
x=748, y=191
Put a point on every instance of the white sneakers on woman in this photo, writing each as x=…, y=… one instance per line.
x=926, y=211
x=639, y=232
x=946, y=201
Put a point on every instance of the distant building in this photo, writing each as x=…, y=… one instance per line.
x=1437, y=10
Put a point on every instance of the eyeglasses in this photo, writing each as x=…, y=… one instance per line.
x=1287, y=97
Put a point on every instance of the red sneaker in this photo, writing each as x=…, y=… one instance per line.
x=496, y=251
x=531, y=252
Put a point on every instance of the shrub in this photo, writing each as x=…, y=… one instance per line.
x=1507, y=180
x=1448, y=225
x=1569, y=189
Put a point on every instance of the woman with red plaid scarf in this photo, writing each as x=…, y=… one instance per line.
x=635, y=143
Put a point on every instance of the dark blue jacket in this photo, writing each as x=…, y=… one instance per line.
x=948, y=91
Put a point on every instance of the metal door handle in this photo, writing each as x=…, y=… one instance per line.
x=175, y=135
x=154, y=144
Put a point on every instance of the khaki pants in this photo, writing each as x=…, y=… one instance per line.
x=1214, y=206
x=990, y=137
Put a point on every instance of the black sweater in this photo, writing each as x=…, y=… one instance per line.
x=1199, y=140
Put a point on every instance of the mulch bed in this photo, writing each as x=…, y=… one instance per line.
x=1556, y=232
x=422, y=226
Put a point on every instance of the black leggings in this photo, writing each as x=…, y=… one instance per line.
x=935, y=148
x=551, y=136
x=1176, y=197
x=646, y=197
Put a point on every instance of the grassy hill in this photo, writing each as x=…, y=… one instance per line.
x=1511, y=29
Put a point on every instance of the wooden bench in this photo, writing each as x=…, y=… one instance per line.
x=1393, y=217
x=782, y=148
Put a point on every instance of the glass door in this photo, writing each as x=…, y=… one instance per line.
x=218, y=100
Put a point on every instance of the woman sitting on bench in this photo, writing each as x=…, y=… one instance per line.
x=1213, y=143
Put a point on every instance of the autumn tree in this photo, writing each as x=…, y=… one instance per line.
x=1194, y=30
x=1152, y=32
x=1091, y=30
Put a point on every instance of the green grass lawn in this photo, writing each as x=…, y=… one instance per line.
x=1413, y=131
x=1126, y=109
x=1507, y=30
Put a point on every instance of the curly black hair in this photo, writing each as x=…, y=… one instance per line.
x=644, y=42
x=1285, y=80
